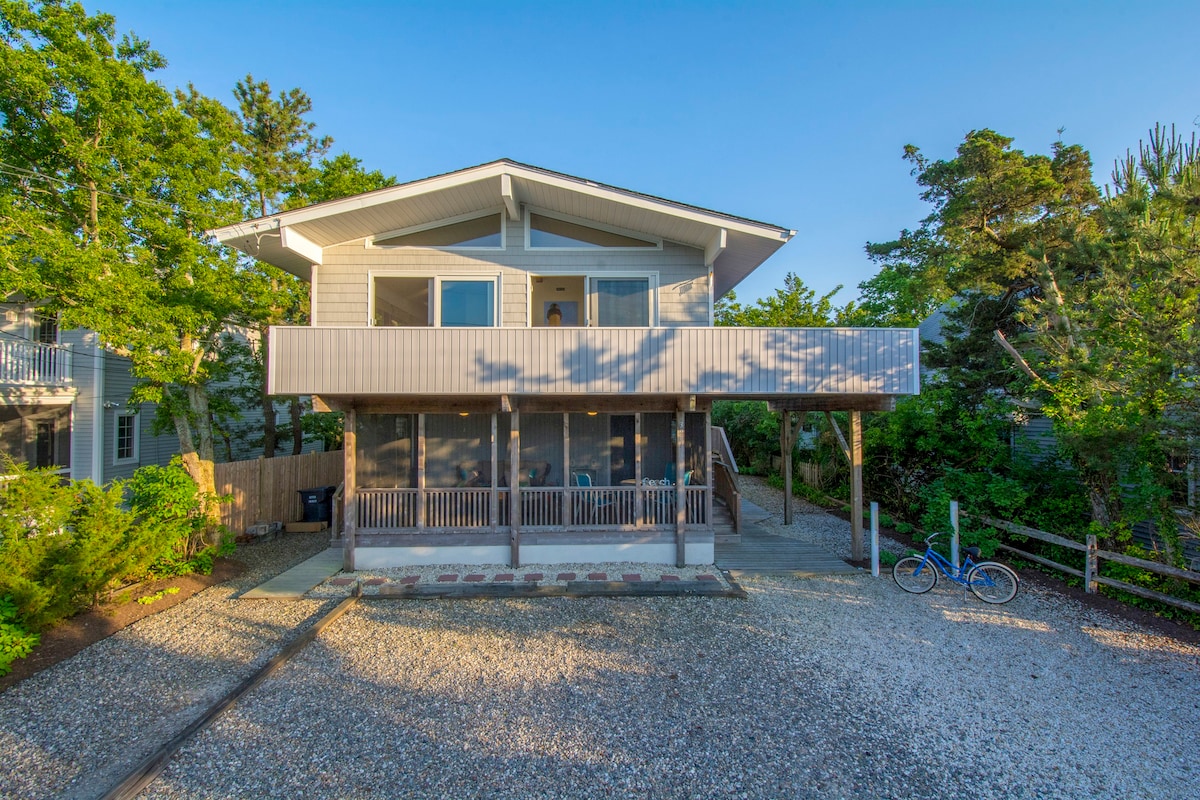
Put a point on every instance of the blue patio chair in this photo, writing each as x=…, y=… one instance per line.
x=595, y=504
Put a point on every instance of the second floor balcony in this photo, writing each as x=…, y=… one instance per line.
x=30, y=365
x=711, y=362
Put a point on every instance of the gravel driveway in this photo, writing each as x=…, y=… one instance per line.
x=825, y=687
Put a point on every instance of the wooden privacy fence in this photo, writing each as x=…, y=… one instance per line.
x=1091, y=571
x=267, y=489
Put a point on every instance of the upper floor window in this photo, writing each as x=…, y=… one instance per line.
x=486, y=232
x=401, y=301
x=562, y=234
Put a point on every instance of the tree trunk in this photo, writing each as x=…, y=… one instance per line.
x=196, y=448
x=297, y=432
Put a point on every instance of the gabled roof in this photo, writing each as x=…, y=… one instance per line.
x=294, y=240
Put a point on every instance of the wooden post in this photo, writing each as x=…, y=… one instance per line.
x=258, y=500
x=954, y=559
x=856, y=487
x=494, y=517
x=1091, y=565
x=680, y=495
x=514, y=489
x=350, y=494
x=420, y=471
x=785, y=450
x=709, y=479
x=875, y=539
x=637, y=470
x=566, y=498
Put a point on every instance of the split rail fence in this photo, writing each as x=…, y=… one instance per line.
x=267, y=489
x=1092, y=556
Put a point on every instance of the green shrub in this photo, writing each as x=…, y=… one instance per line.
x=15, y=641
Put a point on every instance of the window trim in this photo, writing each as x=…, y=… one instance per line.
x=495, y=278
x=369, y=243
x=587, y=223
x=136, y=438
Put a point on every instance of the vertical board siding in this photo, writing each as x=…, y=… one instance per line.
x=713, y=361
x=276, y=498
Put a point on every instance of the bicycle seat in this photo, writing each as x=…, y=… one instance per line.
x=973, y=552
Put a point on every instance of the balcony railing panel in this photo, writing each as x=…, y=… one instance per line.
x=541, y=508
x=609, y=361
x=31, y=364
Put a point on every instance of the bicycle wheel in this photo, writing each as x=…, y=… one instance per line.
x=992, y=582
x=914, y=575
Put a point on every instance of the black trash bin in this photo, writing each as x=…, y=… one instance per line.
x=317, y=503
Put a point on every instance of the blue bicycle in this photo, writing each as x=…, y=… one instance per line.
x=989, y=581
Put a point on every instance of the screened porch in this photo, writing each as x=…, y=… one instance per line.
x=582, y=471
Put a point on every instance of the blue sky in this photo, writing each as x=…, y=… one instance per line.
x=791, y=113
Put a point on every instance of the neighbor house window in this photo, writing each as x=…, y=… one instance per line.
x=479, y=232
x=126, y=438
x=555, y=233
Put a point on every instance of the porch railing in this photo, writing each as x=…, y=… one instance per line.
x=31, y=364
x=541, y=507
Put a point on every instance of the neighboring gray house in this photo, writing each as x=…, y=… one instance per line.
x=526, y=361
x=64, y=402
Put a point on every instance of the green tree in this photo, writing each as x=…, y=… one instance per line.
x=109, y=182
x=793, y=306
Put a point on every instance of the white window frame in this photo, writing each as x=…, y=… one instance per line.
x=435, y=304
x=137, y=436
x=370, y=242
x=587, y=223
x=652, y=282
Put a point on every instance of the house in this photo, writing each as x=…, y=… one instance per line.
x=526, y=361
x=64, y=401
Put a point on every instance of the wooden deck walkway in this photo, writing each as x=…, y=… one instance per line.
x=763, y=553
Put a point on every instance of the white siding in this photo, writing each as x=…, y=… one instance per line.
x=342, y=291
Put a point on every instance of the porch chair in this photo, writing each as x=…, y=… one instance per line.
x=595, y=504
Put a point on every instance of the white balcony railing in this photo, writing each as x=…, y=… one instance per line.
x=25, y=363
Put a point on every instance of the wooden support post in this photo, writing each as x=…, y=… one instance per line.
x=709, y=482
x=1091, y=565
x=420, y=471
x=514, y=488
x=954, y=556
x=494, y=515
x=566, y=498
x=856, y=487
x=638, y=498
x=350, y=493
x=786, y=443
x=875, y=539
x=680, y=495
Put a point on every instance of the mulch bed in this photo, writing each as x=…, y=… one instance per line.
x=73, y=635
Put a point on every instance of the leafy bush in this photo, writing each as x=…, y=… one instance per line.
x=15, y=641
x=63, y=545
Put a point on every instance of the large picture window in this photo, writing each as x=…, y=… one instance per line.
x=622, y=302
x=418, y=302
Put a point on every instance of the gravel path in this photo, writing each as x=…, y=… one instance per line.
x=73, y=730
x=835, y=687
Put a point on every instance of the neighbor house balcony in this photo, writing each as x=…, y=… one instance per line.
x=836, y=365
x=29, y=366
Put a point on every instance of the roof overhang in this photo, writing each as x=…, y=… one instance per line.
x=294, y=240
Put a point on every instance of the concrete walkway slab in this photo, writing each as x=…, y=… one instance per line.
x=294, y=583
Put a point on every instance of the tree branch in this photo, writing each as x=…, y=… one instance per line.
x=1021, y=362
